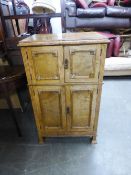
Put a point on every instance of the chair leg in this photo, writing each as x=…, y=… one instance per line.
x=20, y=100
x=24, y=105
x=13, y=115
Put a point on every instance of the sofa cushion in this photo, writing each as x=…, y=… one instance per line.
x=99, y=4
x=119, y=12
x=91, y=12
x=81, y=3
x=100, y=23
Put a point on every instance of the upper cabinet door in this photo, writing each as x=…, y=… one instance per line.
x=82, y=63
x=46, y=64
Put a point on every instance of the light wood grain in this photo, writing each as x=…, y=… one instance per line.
x=64, y=39
x=46, y=64
x=65, y=75
x=99, y=89
x=81, y=99
x=51, y=103
x=83, y=63
x=37, y=113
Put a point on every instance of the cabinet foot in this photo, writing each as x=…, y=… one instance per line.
x=93, y=140
x=41, y=140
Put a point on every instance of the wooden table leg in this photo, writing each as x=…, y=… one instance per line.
x=7, y=97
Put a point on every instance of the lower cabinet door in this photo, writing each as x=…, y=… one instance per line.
x=50, y=101
x=81, y=104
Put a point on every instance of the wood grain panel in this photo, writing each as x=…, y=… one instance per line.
x=83, y=63
x=50, y=103
x=82, y=100
x=46, y=64
x=52, y=107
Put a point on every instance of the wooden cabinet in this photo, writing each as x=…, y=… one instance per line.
x=65, y=74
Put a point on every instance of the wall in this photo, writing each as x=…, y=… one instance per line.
x=57, y=28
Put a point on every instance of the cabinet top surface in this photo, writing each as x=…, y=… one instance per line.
x=64, y=39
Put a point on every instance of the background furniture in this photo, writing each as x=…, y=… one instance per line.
x=11, y=80
x=118, y=66
x=111, y=19
x=41, y=7
x=12, y=19
x=15, y=25
x=65, y=73
x=98, y=18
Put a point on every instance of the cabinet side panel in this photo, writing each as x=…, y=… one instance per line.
x=37, y=113
x=24, y=52
x=99, y=91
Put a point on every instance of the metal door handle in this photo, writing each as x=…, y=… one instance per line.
x=67, y=110
x=66, y=64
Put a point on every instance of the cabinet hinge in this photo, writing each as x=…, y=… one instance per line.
x=33, y=92
x=98, y=75
x=97, y=90
x=101, y=52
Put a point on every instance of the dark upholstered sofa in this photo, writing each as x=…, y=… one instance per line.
x=105, y=18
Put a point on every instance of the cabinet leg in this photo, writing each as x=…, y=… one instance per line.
x=40, y=137
x=41, y=140
x=93, y=140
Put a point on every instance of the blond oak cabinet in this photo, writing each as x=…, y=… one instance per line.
x=65, y=74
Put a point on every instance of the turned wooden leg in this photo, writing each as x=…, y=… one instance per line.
x=93, y=140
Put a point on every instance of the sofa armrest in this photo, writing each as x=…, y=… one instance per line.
x=71, y=8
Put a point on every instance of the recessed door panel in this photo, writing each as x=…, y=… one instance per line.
x=46, y=64
x=81, y=100
x=52, y=108
x=83, y=63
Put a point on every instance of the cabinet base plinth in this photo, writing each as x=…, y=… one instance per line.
x=93, y=139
